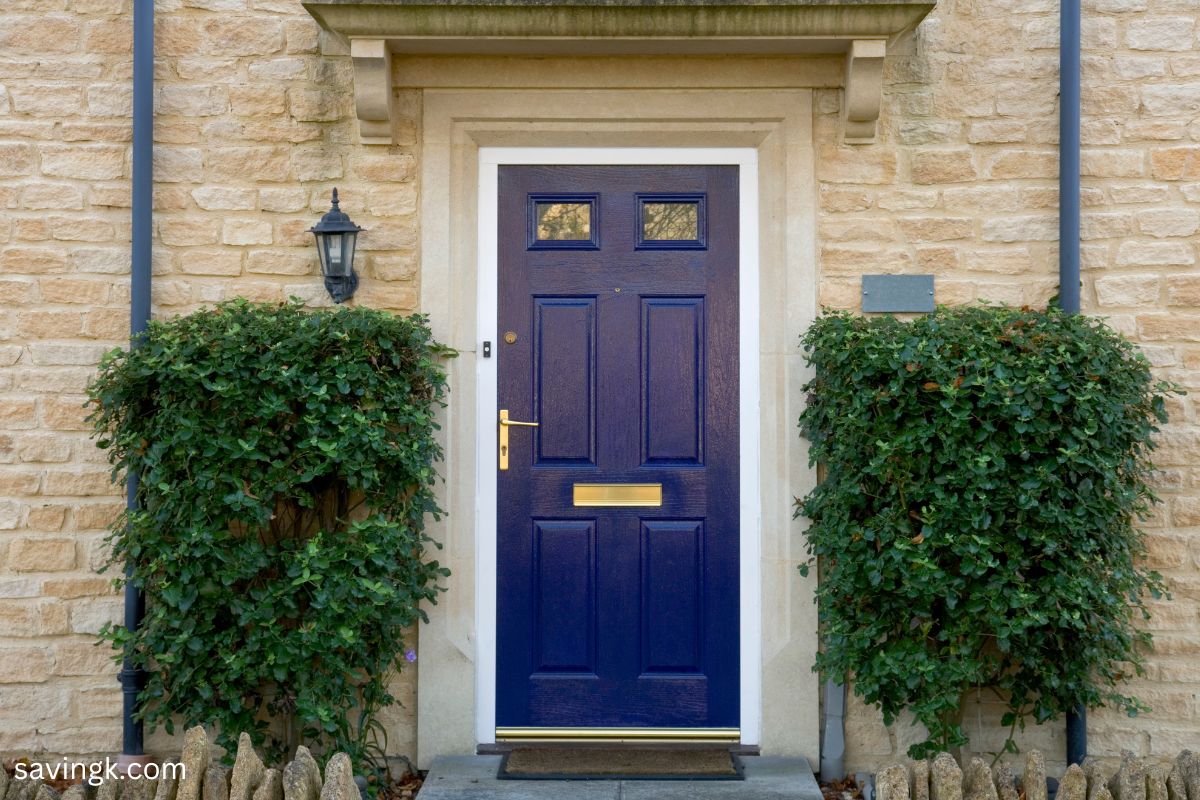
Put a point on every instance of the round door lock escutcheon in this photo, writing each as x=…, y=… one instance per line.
x=510, y=338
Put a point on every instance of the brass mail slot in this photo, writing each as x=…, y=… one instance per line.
x=618, y=494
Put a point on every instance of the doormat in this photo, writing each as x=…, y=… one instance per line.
x=612, y=764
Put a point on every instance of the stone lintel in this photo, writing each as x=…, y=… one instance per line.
x=858, y=28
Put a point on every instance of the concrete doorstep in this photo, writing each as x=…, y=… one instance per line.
x=474, y=778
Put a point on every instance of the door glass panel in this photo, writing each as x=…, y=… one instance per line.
x=563, y=222
x=671, y=222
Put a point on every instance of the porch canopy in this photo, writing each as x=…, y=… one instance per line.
x=860, y=29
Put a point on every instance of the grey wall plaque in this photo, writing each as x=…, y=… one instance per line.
x=897, y=293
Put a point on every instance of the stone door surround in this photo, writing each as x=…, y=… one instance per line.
x=857, y=30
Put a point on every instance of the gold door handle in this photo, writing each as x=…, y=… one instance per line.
x=505, y=424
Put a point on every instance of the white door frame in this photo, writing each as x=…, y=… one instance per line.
x=746, y=158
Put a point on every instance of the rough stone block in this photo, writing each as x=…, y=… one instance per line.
x=1128, y=290
x=224, y=198
x=1169, y=222
x=1175, y=164
x=24, y=664
x=945, y=778
x=195, y=759
x=246, y=231
x=191, y=101
x=1160, y=33
x=243, y=36
x=301, y=778
x=891, y=783
x=943, y=166
x=1155, y=254
x=339, y=779
x=41, y=554
x=46, y=100
x=178, y=164
x=248, y=770
x=856, y=165
x=22, y=619
x=17, y=159
x=84, y=162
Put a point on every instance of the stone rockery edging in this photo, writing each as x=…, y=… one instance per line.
x=203, y=779
x=1136, y=779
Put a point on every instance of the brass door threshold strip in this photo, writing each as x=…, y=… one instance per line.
x=727, y=735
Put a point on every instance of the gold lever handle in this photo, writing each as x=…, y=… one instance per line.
x=505, y=424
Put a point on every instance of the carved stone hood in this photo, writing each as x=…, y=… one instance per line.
x=858, y=28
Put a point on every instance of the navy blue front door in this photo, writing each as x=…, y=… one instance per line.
x=617, y=516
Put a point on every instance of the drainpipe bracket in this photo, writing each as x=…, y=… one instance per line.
x=864, y=90
x=374, y=97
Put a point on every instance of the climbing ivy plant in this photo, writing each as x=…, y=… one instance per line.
x=286, y=468
x=984, y=471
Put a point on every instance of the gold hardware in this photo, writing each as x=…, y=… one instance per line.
x=617, y=290
x=510, y=338
x=505, y=424
x=617, y=494
x=619, y=734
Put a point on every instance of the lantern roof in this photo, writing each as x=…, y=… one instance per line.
x=335, y=220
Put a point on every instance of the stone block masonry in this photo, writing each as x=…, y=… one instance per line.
x=963, y=184
x=255, y=125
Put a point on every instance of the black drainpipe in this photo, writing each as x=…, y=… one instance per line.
x=1068, y=241
x=1068, y=163
x=133, y=680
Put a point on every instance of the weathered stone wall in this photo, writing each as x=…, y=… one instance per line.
x=254, y=127
x=963, y=184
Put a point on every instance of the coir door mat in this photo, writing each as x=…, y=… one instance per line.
x=610, y=764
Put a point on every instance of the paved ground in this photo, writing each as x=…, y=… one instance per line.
x=474, y=778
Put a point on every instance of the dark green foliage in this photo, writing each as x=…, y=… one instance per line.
x=286, y=463
x=984, y=469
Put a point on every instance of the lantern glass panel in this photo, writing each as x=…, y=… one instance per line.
x=320, y=237
x=349, y=240
x=333, y=244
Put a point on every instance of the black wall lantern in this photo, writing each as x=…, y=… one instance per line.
x=336, y=238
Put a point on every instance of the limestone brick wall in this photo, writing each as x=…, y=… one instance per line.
x=963, y=184
x=254, y=126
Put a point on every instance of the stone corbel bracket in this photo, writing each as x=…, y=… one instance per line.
x=374, y=99
x=864, y=90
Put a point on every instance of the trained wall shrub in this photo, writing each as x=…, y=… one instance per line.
x=984, y=469
x=286, y=462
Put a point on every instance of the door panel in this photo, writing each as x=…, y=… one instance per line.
x=673, y=380
x=672, y=596
x=565, y=388
x=565, y=561
x=618, y=336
